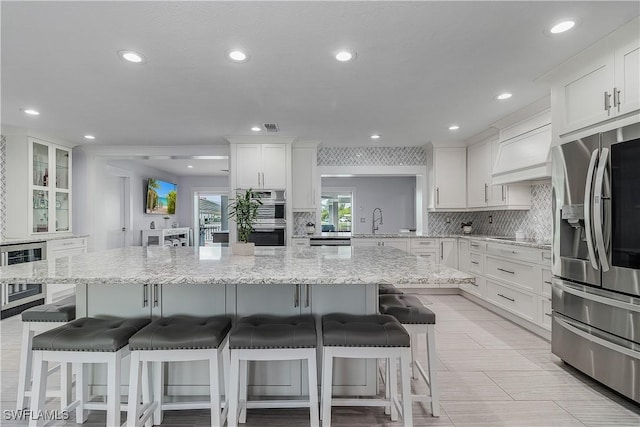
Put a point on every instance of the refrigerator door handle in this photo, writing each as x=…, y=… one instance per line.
x=598, y=206
x=565, y=287
x=588, y=229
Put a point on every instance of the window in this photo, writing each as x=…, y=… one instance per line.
x=336, y=211
x=212, y=219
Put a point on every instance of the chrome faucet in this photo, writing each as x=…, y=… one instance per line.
x=374, y=227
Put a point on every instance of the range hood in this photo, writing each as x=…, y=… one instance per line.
x=523, y=158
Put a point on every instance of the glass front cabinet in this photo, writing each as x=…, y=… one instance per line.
x=50, y=187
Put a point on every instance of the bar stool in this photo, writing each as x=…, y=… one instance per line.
x=36, y=320
x=266, y=337
x=82, y=341
x=375, y=336
x=417, y=320
x=178, y=339
x=388, y=289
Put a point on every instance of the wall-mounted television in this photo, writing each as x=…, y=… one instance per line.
x=161, y=197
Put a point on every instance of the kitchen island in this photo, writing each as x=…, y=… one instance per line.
x=163, y=281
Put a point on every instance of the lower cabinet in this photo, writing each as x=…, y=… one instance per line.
x=518, y=302
x=60, y=248
x=449, y=252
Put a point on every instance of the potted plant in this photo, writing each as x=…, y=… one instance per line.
x=244, y=210
x=310, y=228
x=466, y=227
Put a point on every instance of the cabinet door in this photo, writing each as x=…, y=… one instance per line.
x=449, y=252
x=396, y=243
x=364, y=242
x=497, y=194
x=627, y=62
x=581, y=97
x=304, y=178
x=478, y=174
x=271, y=377
x=450, y=177
x=463, y=255
x=117, y=300
x=274, y=166
x=248, y=166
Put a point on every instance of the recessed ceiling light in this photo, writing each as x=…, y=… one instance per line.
x=563, y=26
x=454, y=127
x=375, y=136
x=256, y=129
x=31, y=112
x=237, y=55
x=503, y=96
x=344, y=56
x=89, y=137
x=190, y=166
x=131, y=56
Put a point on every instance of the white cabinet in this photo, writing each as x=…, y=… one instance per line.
x=167, y=237
x=261, y=166
x=58, y=249
x=449, y=252
x=606, y=88
x=447, y=178
x=479, y=174
x=463, y=255
x=305, y=178
x=300, y=242
x=38, y=177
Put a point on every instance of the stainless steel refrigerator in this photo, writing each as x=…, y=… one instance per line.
x=596, y=257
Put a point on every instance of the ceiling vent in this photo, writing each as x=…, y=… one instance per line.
x=271, y=127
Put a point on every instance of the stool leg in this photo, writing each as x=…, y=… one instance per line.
x=24, y=377
x=158, y=392
x=393, y=386
x=113, y=389
x=146, y=389
x=327, y=385
x=414, y=356
x=214, y=389
x=226, y=366
x=81, y=392
x=244, y=368
x=65, y=384
x=387, y=390
x=39, y=389
x=405, y=360
x=432, y=361
x=312, y=367
x=232, y=397
x=134, y=390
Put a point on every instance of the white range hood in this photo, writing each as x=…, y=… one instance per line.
x=525, y=152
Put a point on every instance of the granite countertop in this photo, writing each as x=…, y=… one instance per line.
x=18, y=241
x=215, y=265
x=501, y=239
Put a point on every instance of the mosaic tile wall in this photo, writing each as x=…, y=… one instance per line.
x=536, y=223
x=371, y=156
x=300, y=220
x=3, y=184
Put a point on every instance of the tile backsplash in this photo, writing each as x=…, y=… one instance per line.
x=300, y=220
x=536, y=223
x=3, y=184
x=371, y=156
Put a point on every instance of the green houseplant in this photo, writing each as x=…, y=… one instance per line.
x=244, y=211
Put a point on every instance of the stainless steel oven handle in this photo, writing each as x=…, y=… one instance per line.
x=588, y=229
x=597, y=298
x=597, y=210
x=590, y=337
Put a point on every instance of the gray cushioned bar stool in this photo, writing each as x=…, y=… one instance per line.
x=36, y=320
x=417, y=320
x=84, y=341
x=267, y=337
x=376, y=336
x=178, y=339
x=387, y=289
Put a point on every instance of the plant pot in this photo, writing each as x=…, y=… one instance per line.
x=243, y=249
x=466, y=229
x=310, y=229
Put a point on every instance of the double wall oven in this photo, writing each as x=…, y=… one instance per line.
x=596, y=257
x=271, y=227
x=19, y=296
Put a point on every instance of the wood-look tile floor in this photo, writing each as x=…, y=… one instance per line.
x=492, y=373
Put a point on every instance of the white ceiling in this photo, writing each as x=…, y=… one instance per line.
x=180, y=167
x=420, y=67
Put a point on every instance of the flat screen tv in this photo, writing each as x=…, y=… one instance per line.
x=161, y=197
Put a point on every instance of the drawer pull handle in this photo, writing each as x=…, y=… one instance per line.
x=475, y=246
x=475, y=262
x=510, y=299
x=548, y=314
x=548, y=282
x=506, y=271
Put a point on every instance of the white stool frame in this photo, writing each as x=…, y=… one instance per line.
x=141, y=414
x=391, y=396
x=29, y=330
x=238, y=402
x=79, y=358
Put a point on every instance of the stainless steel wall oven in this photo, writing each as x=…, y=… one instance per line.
x=17, y=297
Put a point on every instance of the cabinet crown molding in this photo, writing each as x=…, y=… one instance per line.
x=259, y=139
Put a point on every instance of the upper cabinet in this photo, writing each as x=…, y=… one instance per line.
x=261, y=166
x=447, y=178
x=598, y=86
x=38, y=186
x=305, y=177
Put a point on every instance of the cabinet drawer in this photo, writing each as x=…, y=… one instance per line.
x=424, y=243
x=66, y=244
x=476, y=263
x=517, y=273
x=545, y=313
x=431, y=256
x=476, y=245
x=478, y=288
x=300, y=242
x=515, y=252
x=520, y=303
x=546, y=282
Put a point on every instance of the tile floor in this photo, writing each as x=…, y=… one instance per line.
x=492, y=373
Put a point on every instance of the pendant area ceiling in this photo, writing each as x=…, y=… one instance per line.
x=420, y=67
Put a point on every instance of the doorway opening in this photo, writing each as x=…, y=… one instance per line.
x=335, y=213
x=212, y=210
